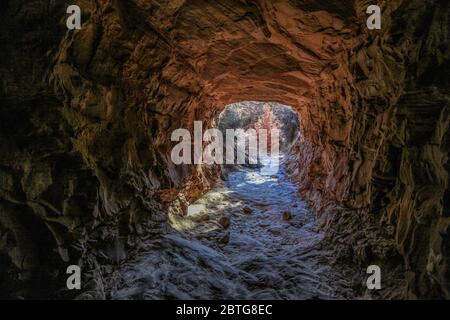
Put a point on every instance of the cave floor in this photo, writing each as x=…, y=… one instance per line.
x=260, y=255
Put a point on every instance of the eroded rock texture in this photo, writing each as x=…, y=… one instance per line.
x=86, y=116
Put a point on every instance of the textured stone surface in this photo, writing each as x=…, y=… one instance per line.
x=85, y=171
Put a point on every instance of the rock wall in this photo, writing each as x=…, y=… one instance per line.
x=384, y=187
x=86, y=116
x=399, y=162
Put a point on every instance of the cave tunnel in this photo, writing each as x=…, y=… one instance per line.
x=87, y=179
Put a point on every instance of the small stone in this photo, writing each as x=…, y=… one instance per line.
x=224, y=222
x=247, y=210
x=225, y=239
x=287, y=215
x=275, y=232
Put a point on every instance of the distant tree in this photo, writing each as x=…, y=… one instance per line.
x=267, y=122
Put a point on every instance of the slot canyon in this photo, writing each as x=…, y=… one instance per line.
x=86, y=176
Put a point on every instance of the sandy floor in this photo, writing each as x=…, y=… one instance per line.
x=259, y=256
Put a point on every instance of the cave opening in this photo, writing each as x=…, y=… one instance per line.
x=260, y=135
x=262, y=115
